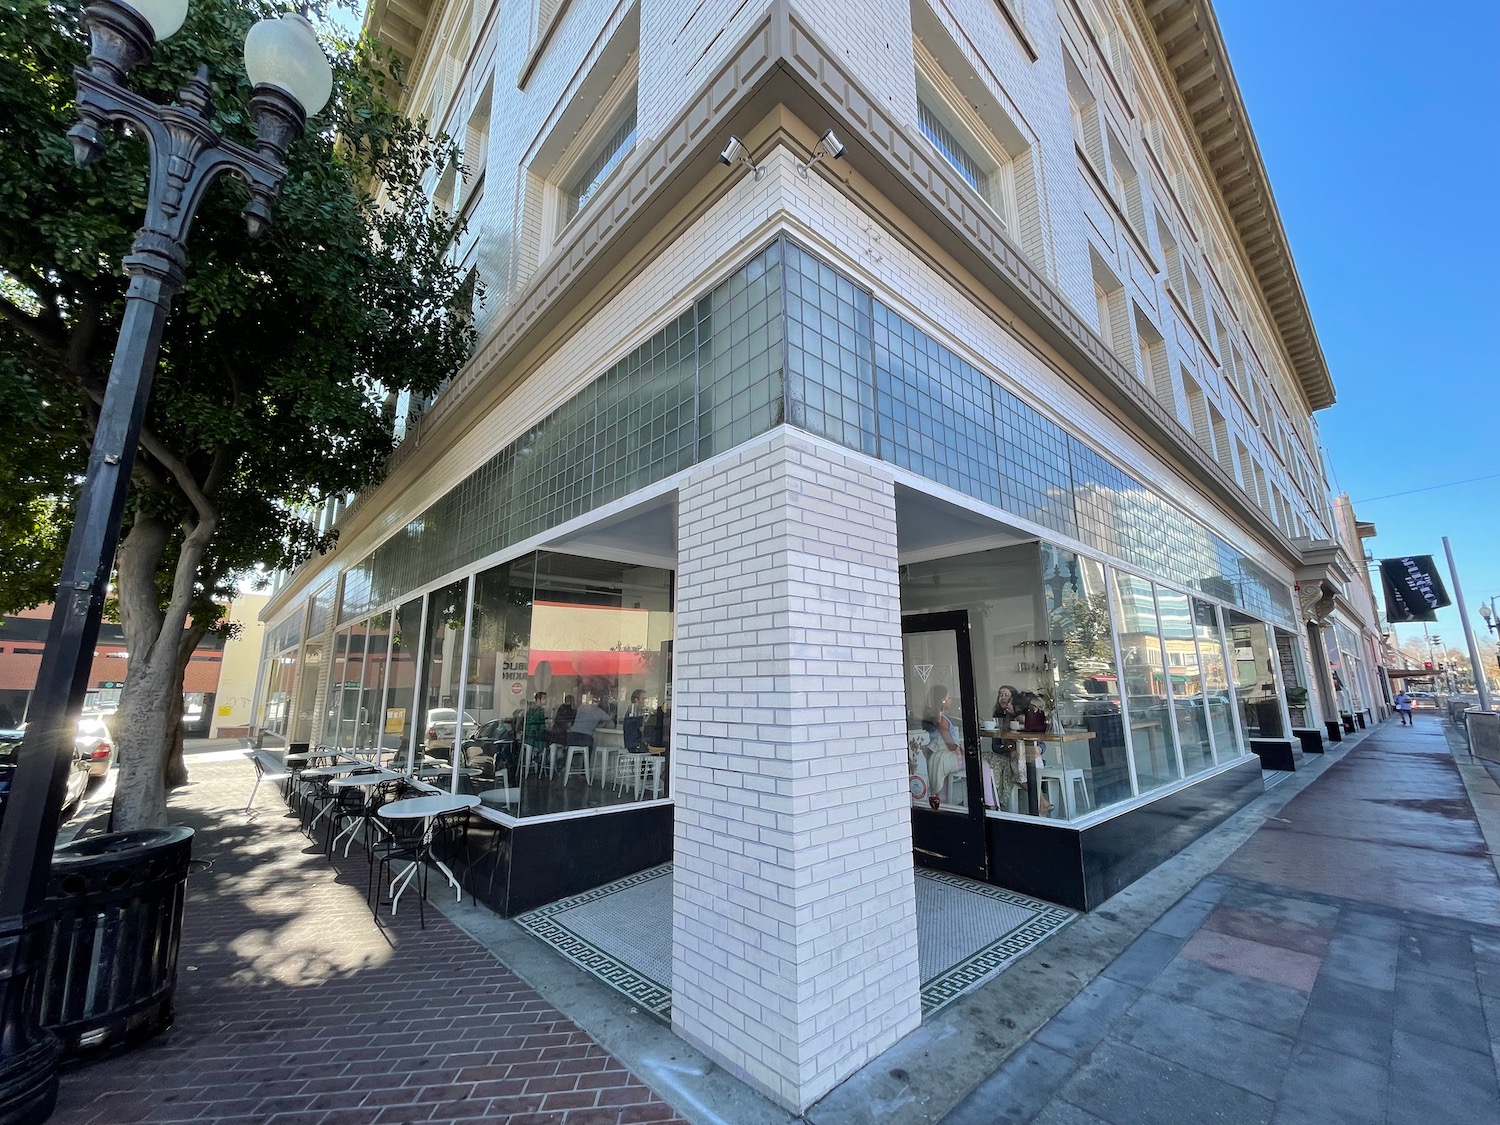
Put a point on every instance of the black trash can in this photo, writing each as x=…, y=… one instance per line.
x=109, y=961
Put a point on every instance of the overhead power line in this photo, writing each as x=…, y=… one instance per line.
x=1429, y=488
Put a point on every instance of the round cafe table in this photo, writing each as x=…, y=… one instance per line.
x=424, y=809
x=365, y=781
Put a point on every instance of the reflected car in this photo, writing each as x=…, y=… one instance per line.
x=95, y=744
x=78, y=774
x=440, y=724
x=492, y=747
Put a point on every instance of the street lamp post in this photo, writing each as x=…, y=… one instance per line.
x=292, y=79
x=1492, y=621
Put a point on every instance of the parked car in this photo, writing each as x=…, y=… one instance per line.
x=10, y=747
x=440, y=725
x=492, y=748
x=95, y=744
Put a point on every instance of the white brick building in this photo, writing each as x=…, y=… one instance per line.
x=801, y=466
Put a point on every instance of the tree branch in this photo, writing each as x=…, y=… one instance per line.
x=85, y=328
x=180, y=473
x=34, y=328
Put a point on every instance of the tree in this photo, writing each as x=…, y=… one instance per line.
x=279, y=365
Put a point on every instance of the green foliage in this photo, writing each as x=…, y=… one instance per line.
x=281, y=355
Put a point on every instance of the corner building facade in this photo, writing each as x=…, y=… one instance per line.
x=941, y=492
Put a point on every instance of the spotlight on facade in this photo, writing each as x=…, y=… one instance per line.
x=735, y=152
x=828, y=146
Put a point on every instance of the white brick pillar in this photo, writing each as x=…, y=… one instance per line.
x=794, y=939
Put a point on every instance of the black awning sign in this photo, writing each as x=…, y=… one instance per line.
x=1414, y=590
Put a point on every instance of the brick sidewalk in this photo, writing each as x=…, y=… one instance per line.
x=294, y=1008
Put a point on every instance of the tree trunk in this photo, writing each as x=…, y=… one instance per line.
x=174, y=766
x=148, y=723
x=175, y=770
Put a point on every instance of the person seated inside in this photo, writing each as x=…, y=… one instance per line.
x=945, y=760
x=590, y=717
x=562, y=722
x=534, y=727
x=633, y=728
x=1009, y=706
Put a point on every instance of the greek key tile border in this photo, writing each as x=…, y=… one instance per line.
x=636, y=986
x=654, y=996
x=978, y=967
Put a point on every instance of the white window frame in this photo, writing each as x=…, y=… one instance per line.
x=938, y=96
x=618, y=102
x=604, y=141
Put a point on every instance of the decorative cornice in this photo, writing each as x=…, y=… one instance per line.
x=403, y=26
x=1196, y=67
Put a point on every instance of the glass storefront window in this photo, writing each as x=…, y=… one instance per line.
x=399, y=712
x=1185, y=680
x=1216, y=692
x=276, y=710
x=442, y=673
x=372, y=681
x=1253, y=658
x=1289, y=656
x=598, y=665
x=501, y=632
x=338, y=717
x=1000, y=592
x=309, y=683
x=1080, y=683
x=1144, y=675
x=1047, y=687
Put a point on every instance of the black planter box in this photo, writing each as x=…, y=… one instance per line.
x=1274, y=753
x=1311, y=739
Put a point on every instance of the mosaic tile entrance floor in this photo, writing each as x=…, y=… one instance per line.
x=622, y=934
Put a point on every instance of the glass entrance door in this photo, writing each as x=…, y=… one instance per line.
x=942, y=738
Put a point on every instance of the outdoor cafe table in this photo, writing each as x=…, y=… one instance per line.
x=424, y=809
x=309, y=755
x=365, y=781
x=323, y=772
x=430, y=773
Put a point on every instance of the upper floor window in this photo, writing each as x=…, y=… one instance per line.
x=975, y=126
x=953, y=150
x=985, y=168
x=602, y=158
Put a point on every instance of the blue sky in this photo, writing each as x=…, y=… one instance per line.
x=1377, y=123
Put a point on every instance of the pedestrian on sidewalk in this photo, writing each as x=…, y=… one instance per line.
x=1403, y=708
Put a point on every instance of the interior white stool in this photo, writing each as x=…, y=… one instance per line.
x=1070, y=785
x=572, y=750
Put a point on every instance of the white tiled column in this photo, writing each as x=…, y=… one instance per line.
x=794, y=940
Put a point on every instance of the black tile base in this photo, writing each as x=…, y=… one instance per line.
x=1335, y=731
x=1081, y=867
x=516, y=868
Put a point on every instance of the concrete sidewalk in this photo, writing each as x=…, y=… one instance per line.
x=1343, y=965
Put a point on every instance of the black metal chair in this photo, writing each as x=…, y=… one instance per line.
x=448, y=840
x=350, y=803
x=405, y=841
